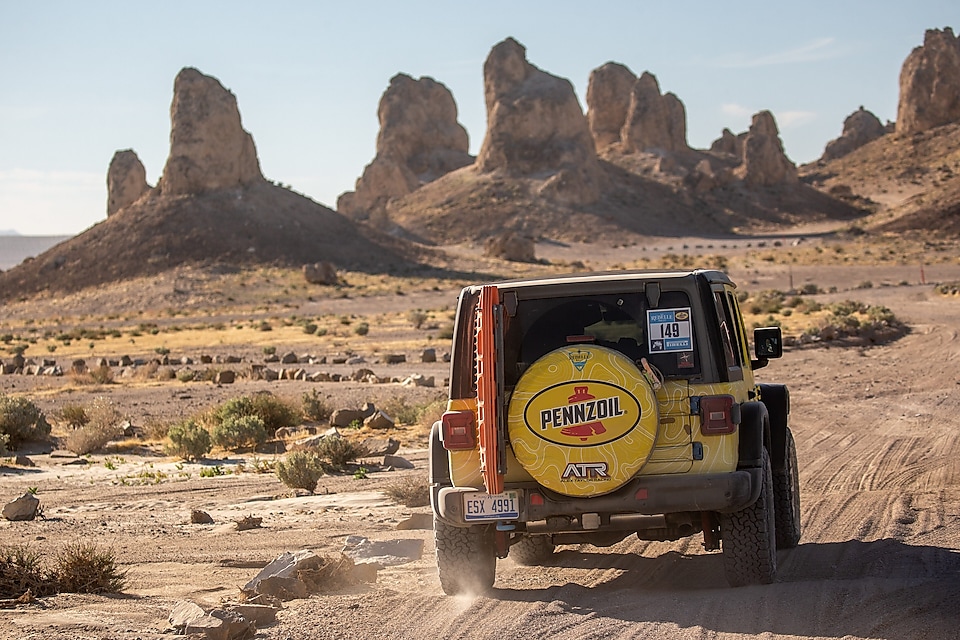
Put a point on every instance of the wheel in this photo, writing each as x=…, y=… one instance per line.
x=531, y=551
x=786, y=498
x=748, y=537
x=466, y=557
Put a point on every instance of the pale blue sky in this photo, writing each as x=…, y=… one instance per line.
x=80, y=80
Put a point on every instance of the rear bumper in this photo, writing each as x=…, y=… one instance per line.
x=648, y=495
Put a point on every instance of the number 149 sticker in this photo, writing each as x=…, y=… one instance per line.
x=669, y=330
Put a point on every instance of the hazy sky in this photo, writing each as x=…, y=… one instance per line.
x=81, y=80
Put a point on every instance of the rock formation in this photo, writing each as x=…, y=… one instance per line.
x=654, y=121
x=510, y=246
x=536, y=128
x=419, y=141
x=126, y=180
x=764, y=162
x=859, y=128
x=729, y=143
x=930, y=83
x=209, y=149
x=608, y=101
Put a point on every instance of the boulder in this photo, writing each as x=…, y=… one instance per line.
x=419, y=141
x=323, y=272
x=397, y=462
x=200, y=517
x=188, y=619
x=535, y=127
x=859, y=128
x=209, y=149
x=225, y=376
x=764, y=162
x=379, y=420
x=345, y=417
x=930, y=83
x=608, y=101
x=25, y=507
x=381, y=446
x=428, y=355
x=654, y=121
x=510, y=246
x=126, y=181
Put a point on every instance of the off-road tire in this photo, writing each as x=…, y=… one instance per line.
x=786, y=496
x=749, y=539
x=532, y=551
x=466, y=557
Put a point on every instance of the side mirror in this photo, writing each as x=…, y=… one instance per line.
x=767, y=343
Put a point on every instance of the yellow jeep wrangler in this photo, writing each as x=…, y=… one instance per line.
x=586, y=408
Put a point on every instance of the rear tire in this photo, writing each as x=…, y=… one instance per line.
x=786, y=495
x=532, y=551
x=466, y=557
x=749, y=538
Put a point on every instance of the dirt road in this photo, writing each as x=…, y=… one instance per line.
x=877, y=436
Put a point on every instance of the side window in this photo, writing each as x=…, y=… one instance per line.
x=729, y=338
x=741, y=330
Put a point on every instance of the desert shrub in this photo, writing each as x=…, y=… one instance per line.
x=239, y=432
x=416, y=317
x=102, y=375
x=309, y=328
x=340, y=451
x=83, y=567
x=188, y=440
x=75, y=415
x=769, y=301
x=186, y=375
x=362, y=329
x=273, y=411
x=21, y=420
x=403, y=412
x=156, y=429
x=446, y=332
x=315, y=407
x=810, y=289
x=20, y=571
x=300, y=470
x=103, y=426
x=411, y=491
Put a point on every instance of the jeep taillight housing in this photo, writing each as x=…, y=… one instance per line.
x=718, y=415
x=458, y=430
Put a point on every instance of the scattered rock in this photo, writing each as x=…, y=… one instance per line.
x=297, y=574
x=428, y=355
x=418, y=380
x=394, y=358
x=397, y=462
x=379, y=420
x=200, y=517
x=261, y=615
x=510, y=246
x=345, y=417
x=126, y=181
x=23, y=461
x=324, y=273
x=930, y=83
x=225, y=376
x=381, y=446
x=26, y=507
x=217, y=624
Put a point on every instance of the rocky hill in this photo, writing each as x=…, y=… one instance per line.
x=212, y=205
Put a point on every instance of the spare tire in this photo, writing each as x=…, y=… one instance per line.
x=583, y=420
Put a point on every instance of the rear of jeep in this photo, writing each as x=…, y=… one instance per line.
x=584, y=409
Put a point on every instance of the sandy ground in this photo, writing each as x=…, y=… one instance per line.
x=877, y=435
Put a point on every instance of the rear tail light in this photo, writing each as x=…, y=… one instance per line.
x=718, y=415
x=458, y=430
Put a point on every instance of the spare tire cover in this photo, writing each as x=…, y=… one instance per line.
x=583, y=420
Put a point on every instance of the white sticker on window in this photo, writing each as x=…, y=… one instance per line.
x=669, y=330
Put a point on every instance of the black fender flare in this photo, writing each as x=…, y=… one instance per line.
x=754, y=434
x=439, y=459
x=776, y=398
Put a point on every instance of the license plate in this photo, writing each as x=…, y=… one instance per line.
x=479, y=507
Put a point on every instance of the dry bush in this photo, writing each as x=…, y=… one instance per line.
x=83, y=567
x=75, y=415
x=20, y=572
x=424, y=413
x=21, y=420
x=301, y=470
x=340, y=451
x=273, y=411
x=102, y=427
x=156, y=429
x=411, y=491
x=239, y=432
x=314, y=407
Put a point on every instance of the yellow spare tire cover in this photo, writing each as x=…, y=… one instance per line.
x=583, y=420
